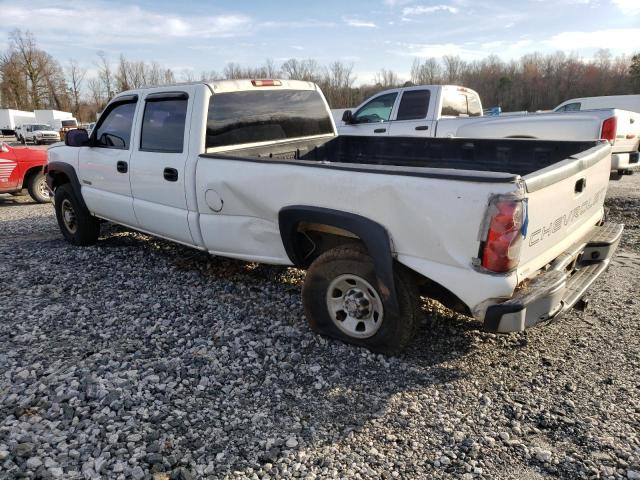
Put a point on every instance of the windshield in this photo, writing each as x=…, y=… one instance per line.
x=69, y=123
x=35, y=128
x=265, y=115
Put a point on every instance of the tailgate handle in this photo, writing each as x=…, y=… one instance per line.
x=581, y=185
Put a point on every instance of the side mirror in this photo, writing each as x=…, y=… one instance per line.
x=347, y=116
x=77, y=138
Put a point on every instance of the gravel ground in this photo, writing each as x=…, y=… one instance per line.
x=138, y=358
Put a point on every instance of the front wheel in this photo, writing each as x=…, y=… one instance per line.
x=38, y=189
x=76, y=223
x=342, y=300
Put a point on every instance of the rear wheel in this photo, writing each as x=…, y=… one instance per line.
x=342, y=300
x=76, y=223
x=38, y=189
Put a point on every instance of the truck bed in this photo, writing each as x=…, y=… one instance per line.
x=512, y=156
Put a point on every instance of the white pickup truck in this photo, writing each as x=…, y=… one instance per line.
x=508, y=231
x=36, y=133
x=453, y=111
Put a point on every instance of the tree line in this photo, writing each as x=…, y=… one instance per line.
x=30, y=78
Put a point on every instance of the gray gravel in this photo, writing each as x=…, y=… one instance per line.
x=138, y=358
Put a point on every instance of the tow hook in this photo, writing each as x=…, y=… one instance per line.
x=582, y=304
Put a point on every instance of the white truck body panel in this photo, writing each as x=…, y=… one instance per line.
x=620, y=102
x=53, y=117
x=10, y=119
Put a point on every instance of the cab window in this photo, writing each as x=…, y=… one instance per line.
x=114, y=129
x=163, y=125
x=377, y=110
x=413, y=105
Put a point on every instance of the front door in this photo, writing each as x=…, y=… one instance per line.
x=158, y=173
x=372, y=119
x=104, y=166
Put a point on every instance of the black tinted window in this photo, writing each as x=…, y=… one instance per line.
x=413, y=105
x=265, y=115
x=572, y=107
x=114, y=130
x=163, y=125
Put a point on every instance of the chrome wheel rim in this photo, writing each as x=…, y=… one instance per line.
x=355, y=306
x=68, y=216
x=43, y=189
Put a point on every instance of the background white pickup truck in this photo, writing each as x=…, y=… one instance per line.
x=453, y=111
x=627, y=110
x=508, y=231
x=37, y=133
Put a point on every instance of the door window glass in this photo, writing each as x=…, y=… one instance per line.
x=414, y=105
x=114, y=131
x=377, y=110
x=163, y=125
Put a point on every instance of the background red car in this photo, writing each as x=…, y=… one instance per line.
x=23, y=168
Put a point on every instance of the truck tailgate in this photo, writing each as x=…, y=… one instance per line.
x=564, y=202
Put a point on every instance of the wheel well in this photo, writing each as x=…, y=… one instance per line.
x=313, y=239
x=59, y=178
x=30, y=173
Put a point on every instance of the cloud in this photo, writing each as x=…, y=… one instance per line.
x=133, y=23
x=423, y=10
x=628, y=7
x=613, y=39
x=354, y=22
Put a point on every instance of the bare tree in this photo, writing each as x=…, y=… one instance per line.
x=76, y=76
x=387, y=79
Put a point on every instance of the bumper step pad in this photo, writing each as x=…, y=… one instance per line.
x=556, y=290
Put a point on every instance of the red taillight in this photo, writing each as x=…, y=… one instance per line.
x=609, y=127
x=266, y=83
x=501, y=251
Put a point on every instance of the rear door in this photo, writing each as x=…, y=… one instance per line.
x=104, y=166
x=372, y=118
x=158, y=164
x=413, y=117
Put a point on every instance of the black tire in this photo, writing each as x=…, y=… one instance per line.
x=85, y=228
x=37, y=187
x=394, y=333
x=23, y=140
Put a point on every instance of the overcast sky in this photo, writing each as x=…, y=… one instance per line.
x=373, y=34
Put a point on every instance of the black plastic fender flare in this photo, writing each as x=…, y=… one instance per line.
x=374, y=236
x=60, y=167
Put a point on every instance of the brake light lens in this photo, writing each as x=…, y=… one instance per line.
x=501, y=251
x=266, y=83
x=609, y=127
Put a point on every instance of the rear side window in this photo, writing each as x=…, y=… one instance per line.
x=163, y=125
x=456, y=104
x=413, y=105
x=572, y=107
x=474, y=106
x=265, y=115
x=114, y=129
